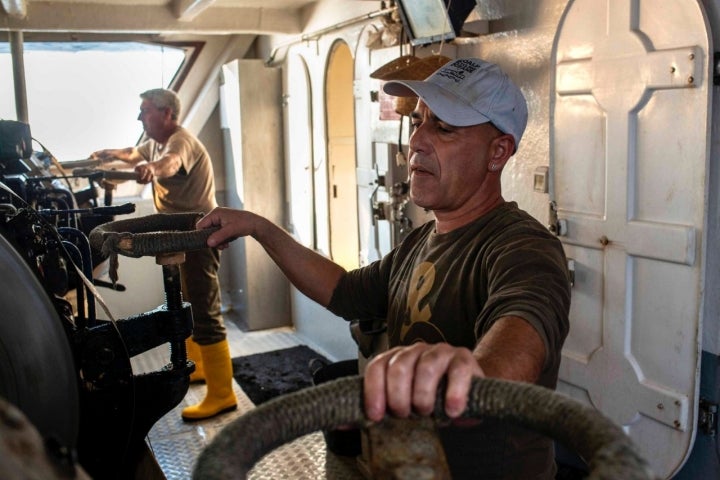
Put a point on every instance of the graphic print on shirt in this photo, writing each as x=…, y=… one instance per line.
x=417, y=325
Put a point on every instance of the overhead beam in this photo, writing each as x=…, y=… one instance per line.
x=187, y=10
x=15, y=8
x=153, y=19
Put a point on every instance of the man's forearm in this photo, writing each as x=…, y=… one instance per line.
x=512, y=350
x=313, y=274
x=167, y=166
x=128, y=155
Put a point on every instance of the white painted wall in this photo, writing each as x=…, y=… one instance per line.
x=521, y=46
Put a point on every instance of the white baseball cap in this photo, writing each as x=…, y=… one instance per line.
x=469, y=91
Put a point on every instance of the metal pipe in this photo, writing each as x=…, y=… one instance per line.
x=319, y=33
x=18, y=63
x=15, y=8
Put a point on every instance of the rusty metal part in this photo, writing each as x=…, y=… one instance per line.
x=609, y=453
x=405, y=449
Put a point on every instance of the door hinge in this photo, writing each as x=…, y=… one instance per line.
x=571, y=270
x=557, y=226
x=707, y=420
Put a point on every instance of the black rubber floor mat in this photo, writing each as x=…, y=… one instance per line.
x=263, y=376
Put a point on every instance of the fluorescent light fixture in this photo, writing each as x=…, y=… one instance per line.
x=426, y=21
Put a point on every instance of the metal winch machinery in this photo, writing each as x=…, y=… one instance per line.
x=69, y=373
x=65, y=368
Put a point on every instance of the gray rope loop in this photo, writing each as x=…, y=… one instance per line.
x=154, y=234
x=150, y=235
x=609, y=452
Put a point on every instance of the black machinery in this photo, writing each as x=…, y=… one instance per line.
x=67, y=370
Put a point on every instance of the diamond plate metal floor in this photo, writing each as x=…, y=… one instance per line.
x=177, y=444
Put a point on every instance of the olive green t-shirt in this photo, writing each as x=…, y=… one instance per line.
x=451, y=288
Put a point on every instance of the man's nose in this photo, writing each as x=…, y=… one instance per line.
x=140, y=116
x=418, y=138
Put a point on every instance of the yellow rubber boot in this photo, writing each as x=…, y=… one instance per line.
x=220, y=396
x=193, y=353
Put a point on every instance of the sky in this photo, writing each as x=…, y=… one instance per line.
x=85, y=97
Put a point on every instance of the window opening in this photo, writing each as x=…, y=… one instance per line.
x=83, y=96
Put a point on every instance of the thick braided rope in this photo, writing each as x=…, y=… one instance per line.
x=243, y=442
x=609, y=452
x=149, y=235
x=240, y=444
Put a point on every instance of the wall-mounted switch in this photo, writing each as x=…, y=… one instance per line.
x=540, y=179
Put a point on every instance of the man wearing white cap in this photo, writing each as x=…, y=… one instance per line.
x=481, y=291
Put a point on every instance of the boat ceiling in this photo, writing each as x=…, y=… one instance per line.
x=156, y=17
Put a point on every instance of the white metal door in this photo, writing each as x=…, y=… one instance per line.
x=629, y=153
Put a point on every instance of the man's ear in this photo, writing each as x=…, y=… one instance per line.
x=501, y=149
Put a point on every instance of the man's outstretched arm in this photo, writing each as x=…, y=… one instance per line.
x=313, y=274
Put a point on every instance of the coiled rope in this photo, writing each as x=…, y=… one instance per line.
x=609, y=452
